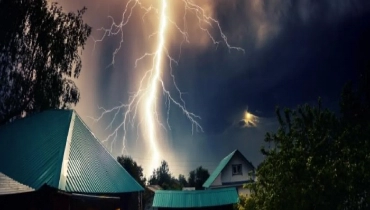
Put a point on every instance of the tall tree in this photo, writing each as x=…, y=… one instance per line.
x=39, y=56
x=162, y=177
x=197, y=177
x=317, y=159
x=135, y=170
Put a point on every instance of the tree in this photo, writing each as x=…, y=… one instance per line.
x=197, y=178
x=39, y=57
x=316, y=159
x=182, y=180
x=245, y=203
x=161, y=176
x=135, y=170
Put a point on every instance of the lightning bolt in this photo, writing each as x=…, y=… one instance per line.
x=141, y=111
x=150, y=101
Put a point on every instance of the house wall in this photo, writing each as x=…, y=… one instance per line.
x=217, y=181
x=227, y=176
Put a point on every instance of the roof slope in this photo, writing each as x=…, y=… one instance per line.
x=56, y=148
x=31, y=149
x=10, y=186
x=221, y=166
x=92, y=169
x=195, y=198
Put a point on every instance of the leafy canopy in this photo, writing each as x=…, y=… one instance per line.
x=162, y=177
x=197, y=178
x=317, y=159
x=39, y=57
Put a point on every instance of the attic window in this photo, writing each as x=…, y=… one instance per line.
x=237, y=169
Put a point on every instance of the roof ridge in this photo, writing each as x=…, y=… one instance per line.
x=66, y=151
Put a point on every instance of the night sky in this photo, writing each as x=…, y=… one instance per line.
x=295, y=52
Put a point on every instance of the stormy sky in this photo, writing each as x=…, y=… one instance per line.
x=295, y=51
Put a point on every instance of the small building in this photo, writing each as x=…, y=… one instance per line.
x=233, y=171
x=217, y=199
x=58, y=163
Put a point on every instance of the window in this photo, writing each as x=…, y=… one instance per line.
x=237, y=169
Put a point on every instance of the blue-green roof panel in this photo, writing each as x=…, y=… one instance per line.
x=92, y=169
x=218, y=170
x=195, y=198
x=31, y=149
x=56, y=148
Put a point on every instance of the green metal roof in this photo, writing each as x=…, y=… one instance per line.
x=195, y=198
x=31, y=149
x=221, y=166
x=56, y=148
x=218, y=169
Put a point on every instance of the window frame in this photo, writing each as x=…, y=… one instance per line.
x=236, y=171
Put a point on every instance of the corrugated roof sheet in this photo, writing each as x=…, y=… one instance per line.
x=221, y=166
x=195, y=198
x=92, y=169
x=10, y=186
x=31, y=149
x=32, y=152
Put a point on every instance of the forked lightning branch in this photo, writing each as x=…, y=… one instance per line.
x=142, y=109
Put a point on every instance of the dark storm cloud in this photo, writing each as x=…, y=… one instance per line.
x=310, y=49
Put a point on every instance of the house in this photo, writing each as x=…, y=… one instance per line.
x=53, y=156
x=217, y=199
x=233, y=171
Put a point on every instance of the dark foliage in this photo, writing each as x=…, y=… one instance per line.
x=197, y=178
x=39, y=57
x=318, y=159
x=135, y=170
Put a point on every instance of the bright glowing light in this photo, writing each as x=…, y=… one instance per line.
x=249, y=120
x=141, y=112
x=150, y=100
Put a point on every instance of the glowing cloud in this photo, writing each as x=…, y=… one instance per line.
x=249, y=120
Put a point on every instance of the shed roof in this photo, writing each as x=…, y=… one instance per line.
x=221, y=166
x=56, y=148
x=195, y=198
